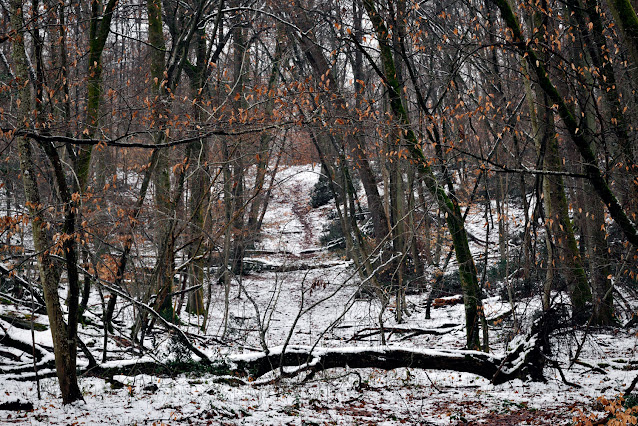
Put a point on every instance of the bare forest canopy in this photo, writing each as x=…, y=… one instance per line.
x=142, y=143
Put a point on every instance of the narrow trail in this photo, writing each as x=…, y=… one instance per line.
x=301, y=212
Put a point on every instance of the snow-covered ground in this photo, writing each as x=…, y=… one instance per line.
x=313, y=302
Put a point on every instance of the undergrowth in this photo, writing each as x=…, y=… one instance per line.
x=620, y=412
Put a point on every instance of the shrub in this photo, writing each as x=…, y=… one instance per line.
x=321, y=193
x=332, y=235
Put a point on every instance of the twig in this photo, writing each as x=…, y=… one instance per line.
x=186, y=290
x=556, y=365
x=432, y=382
x=370, y=331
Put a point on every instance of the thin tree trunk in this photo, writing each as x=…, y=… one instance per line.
x=592, y=169
x=99, y=28
x=240, y=70
x=467, y=268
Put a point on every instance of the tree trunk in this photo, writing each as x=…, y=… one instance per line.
x=557, y=214
x=561, y=242
x=199, y=191
x=592, y=169
x=454, y=218
x=99, y=28
x=161, y=280
x=602, y=291
x=162, y=181
x=322, y=71
x=617, y=122
x=240, y=70
x=625, y=16
x=64, y=344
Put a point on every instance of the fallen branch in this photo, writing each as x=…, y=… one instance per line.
x=257, y=265
x=554, y=363
x=178, y=332
x=592, y=367
x=372, y=331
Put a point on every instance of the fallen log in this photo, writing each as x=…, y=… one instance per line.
x=22, y=321
x=440, y=302
x=257, y=265
x=299, y=359
x=387, y=358
x=16, y=405
x=524, y=361
x=306, y=359
x=43, y=358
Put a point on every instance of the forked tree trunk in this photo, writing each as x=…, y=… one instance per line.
x=566, y=253
x=594, y=243
x=560, y=240
x=64, y=344
x=165, y=210
x=199, y=193
x=161, y=280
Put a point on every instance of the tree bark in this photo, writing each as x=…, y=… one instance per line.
x=625, y=16
x=592, y=169
x=64, y=344
x=99, y=27
x=454, y=218
x=355, y=143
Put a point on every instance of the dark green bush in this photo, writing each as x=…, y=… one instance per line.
x=321, y=193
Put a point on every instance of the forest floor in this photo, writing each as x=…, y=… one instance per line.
x=309, y=296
